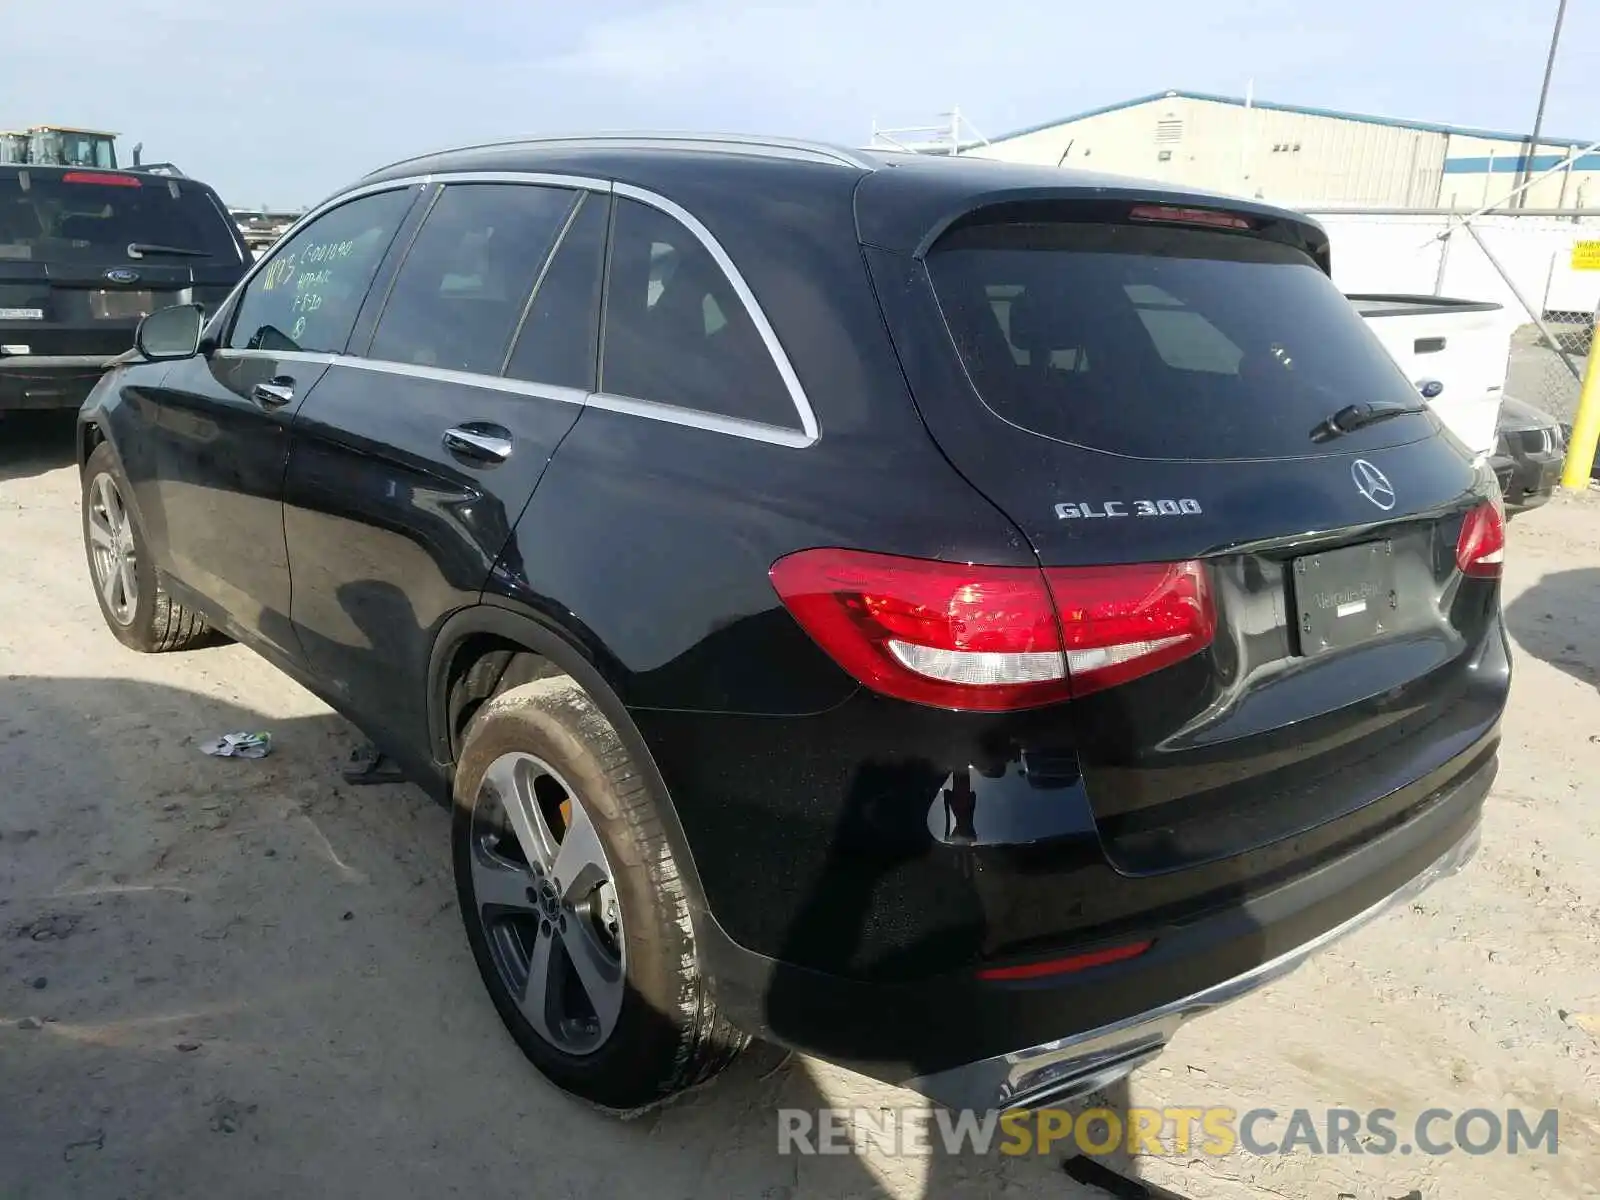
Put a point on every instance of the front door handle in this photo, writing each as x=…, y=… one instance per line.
x=274, y=393
x=480, y=442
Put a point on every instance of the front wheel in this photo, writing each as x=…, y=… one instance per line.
x=136, y=608
x=574, y=907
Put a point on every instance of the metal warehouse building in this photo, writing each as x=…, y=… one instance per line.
x=1305, y=156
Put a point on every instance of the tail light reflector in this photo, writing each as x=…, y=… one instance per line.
x=1481, y=548
x=1073, y=962
x=100, y=177
x=991, y=639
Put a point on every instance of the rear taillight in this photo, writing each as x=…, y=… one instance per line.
x=993, y=638
x=1481, y=548
x=1118, y=623
x=100, y=177
x=937, y=633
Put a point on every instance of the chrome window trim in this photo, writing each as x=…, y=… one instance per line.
x=732, y=426
x=301, y=356
x=496, y=383
x=791, y=381
x=807, y=435
x=755, y=431
x=380, y=366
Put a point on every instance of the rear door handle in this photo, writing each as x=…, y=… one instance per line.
x=274, y=393
x=480, y=442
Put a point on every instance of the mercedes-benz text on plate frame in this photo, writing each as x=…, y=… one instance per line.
x=1372, y=483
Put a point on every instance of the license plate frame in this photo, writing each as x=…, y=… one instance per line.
x=1345, y=597
x=108, y=304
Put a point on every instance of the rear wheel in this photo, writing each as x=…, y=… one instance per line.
x=574, y=907
x=136, y=609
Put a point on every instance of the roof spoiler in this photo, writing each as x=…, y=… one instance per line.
x=1140, y=204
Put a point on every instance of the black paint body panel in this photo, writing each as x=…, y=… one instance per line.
x=855, y=859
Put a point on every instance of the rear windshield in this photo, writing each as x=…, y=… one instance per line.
x=54, y=217
x=1161, y=342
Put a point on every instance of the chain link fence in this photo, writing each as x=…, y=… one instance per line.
x=1531, y=263
x=1541, y=265
x=1547, y=376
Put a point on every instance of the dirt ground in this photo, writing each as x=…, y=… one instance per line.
x=246, y=979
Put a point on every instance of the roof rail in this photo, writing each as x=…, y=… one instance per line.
x=799, y=149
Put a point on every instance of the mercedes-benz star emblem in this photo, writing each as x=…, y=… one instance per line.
x=1372, y=483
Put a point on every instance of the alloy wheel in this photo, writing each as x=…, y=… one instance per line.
x=112, y=550
x=547, y=897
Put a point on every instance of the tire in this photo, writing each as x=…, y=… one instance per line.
x=527, y=749
x=149, y=621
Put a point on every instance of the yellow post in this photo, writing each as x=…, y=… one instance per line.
x=1586, y=425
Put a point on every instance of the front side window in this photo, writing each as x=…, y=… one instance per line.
x=675, y=330
x=467, y=277
x=307, y=296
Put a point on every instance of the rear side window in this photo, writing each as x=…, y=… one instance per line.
x=1162, y=342
x=94, y=216
x=467, y=277
x=562, y=322
x=675, y=330
x=308, y=294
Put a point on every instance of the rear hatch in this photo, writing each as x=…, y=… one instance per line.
x=85, y=254
x=1153, y=384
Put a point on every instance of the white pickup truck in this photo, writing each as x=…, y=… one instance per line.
x=1454, y=350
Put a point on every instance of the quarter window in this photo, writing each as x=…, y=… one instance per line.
x=308, y=294
x=675, y=330
x=466, y=278
x=557, y=342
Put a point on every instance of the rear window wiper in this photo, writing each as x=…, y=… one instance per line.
x=140, y=249
x=1358, y=416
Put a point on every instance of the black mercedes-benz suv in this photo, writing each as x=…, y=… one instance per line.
x=957, y=620
x=84, y=254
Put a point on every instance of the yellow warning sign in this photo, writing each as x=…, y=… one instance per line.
x=1586, y=256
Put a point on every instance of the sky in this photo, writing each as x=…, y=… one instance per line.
x=280, y=102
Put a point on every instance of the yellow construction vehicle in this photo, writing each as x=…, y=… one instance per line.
x=60, y=146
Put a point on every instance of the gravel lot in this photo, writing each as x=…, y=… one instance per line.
x=245, y=979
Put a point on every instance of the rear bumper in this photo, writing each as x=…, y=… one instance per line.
x=1069, y=1067
x=50, y=381
x=967, y=1042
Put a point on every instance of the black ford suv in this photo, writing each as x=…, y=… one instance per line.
x=956, y=620
x=84, y=254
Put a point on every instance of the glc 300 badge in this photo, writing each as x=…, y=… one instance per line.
x=1083, y=509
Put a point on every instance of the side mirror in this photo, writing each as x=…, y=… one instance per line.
x=170, y=333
